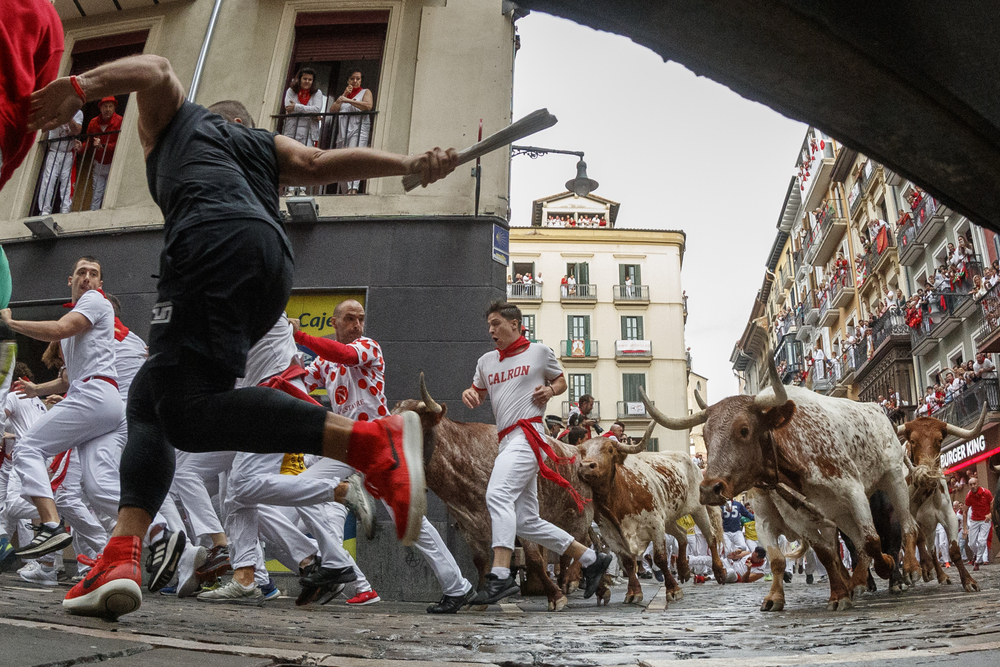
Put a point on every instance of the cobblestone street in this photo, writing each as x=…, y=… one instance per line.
x=718, y=625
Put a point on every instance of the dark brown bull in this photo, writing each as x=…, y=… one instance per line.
x=929, y=499
x=458, y=460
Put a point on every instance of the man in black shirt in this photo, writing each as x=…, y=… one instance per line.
x=225, y=277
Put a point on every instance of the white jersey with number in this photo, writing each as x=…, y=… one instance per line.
x=271, y=355
x=130, y=355
x=357, y=391
x=92, y=352
x=511, y=383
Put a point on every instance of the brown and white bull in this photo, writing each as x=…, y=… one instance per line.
x=639, y=496
x=458, y=460
x=810, y=462
x=930, y=502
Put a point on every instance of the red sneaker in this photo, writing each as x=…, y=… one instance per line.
x=390, y=454
x=112, y=587
x=361, y=599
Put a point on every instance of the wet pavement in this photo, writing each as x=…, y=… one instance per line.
x=718, y=625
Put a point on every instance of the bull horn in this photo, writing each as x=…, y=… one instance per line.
x=780, y=395
x=701, y=401
x=640, y=446
x=426, y=395
x=901, y=429
x=966, y=434
x=681, y=424
x=996, y=468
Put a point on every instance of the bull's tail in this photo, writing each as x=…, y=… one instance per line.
x=715, y=517
x=800, y=552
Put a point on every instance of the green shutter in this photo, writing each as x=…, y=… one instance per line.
x=622, y=273
x=637, y=279
x=638, y=327
x=630, y=386
x=624, y=327
x=582, y=273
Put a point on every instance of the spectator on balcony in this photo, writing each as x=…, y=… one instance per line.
x=953, y=386
x=564, y=286
x=978, y=287
x=961, y=255
x=104, y=130
x=984, y=367
x=304, y=97
x=353, y=130
x=571, y=285
x=59, y=166
x=842, y=268
x=628, y=287
x=914, y=317
x=819, y=361
x=579, y=415
x=992, y=277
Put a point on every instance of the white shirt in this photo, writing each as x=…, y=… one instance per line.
x=92, y=352
x=511, y=383
x=24, y=412
x=356, y=392
x=271, y=355
x=64, y=131
x=130, y=355
x=987, y=368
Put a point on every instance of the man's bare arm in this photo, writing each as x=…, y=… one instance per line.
x=303, y=165
x=68, y=325
x=159, y=94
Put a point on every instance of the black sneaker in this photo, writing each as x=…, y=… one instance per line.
x=161, y=563
x=592, y=574
x=659, y=575
x=496, y=589
x=46, y=541
x=318, y=576
x=787, y=576
x=450, y=604
x=809, y=578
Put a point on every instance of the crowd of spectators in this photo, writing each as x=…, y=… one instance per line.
x=556, y=220
x=520, y=284
x=952, y=382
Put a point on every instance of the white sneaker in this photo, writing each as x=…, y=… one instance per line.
x=27, y=567
x=191, y=559
x=46, y=575
x=234, y=593
x=359, y=502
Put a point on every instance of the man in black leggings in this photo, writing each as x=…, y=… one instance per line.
x=225, y=277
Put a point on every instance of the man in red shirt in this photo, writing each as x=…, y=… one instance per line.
x=979, y=501
x=31, y=46
x=104, y=130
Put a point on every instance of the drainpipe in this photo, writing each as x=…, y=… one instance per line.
x=200, y=65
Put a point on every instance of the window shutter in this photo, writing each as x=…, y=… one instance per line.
x=622, y=273
x=637, y=279
x=630, y=386
x=624, y=327
x=638, y=327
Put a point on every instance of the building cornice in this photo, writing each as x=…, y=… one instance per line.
x=564, y=235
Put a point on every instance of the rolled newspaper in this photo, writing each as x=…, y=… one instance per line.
x=535, y=121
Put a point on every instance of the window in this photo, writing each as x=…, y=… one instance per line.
x=522, y=268
x=334, y=45
x=580, y=272
x=579, y=327
x=579, y=384
x=632, y=327
x=629, y=271
x=72, y=178
x=630, y=386
x=528, y=322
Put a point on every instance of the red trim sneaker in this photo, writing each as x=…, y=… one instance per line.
x=361, y=599
x=390, y=454
x=112, y=587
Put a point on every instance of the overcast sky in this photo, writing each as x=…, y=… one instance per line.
x=678, y=151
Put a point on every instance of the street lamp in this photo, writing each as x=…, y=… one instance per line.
x=580, y=186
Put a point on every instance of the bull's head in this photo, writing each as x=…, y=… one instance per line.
x=737, y=431
x=430, y=411
x=599, y=458
x=925, y=435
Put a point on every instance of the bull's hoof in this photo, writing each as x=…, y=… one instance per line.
x=843, y=604
x=674, y=595
x=926, y=576
x=604, y=597
x=479, y=607
x=772, y=605
x=635, y=598
x=971, y=586
x=911, y=577
x=944, y=580
x=558, y=604
x=720, y=576
x=896, y=587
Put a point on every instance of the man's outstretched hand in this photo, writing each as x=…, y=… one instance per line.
x=433, y=165
x=53, y=105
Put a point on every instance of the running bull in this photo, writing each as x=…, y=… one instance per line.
x=639, y=496
x=930, y=501
x=458, y=460
x=811, y=463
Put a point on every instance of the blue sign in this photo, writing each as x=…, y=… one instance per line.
x=501, y=245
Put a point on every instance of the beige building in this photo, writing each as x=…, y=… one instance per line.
x=697, y=383
x=617, y=324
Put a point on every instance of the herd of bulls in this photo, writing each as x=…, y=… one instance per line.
x=814, y=467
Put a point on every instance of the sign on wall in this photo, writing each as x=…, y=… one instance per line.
x=501, y=245
x=966, y=454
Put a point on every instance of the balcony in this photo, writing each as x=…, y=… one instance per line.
x=578, y=350
x=926, y=219
x=855, y=197
x=802, y=268
x=869, y=176
x=857, y=357
x=825, y=376
x=889, y=338
x=630, y=294
x=58, y=189
x=946, y=315
x=633, y=350
x=632, y=410
x=877, y=258
x=789, y=361
x=826, y=233
x=988, y=336
x=841, y=290
x=785, y=277
x=848, y=363
x=820, y=166
x=828, y=314
x=811, y=315
x=910, y=252
x=329, y=130
x=523, y=292
x=578, y=294
x=595, y=412
x=965, y=408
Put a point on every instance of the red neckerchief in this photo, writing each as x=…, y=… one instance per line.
x=121, y=331
x=304, y=96
x=354, y=91
x=517, y=347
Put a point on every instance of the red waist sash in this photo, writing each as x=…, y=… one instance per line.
x=540, y=445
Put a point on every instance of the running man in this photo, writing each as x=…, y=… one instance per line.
x=225, y=278
x=520, y=378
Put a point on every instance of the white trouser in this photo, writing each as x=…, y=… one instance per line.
x=735, y=541
x=941, y=544
x=979, y=532
x=702, y=565
x=191, y=473
x=6, y=528
x=512, y=499
x=20, y=513
x=89, y=536
x=170, y=515
x=697, y=545
x=813, y=565
x=58, y=168
x=90, y=419
x=100, y=181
